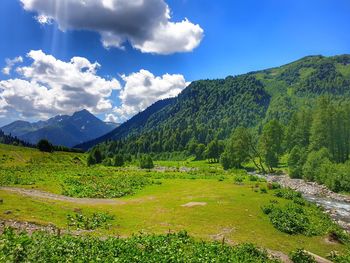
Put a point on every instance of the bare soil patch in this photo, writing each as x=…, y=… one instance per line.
x=192, y=204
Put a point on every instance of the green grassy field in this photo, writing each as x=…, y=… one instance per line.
x=231, y=211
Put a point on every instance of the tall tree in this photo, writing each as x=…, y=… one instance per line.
x=241, y=147
x=270, y=143
x=214, y=150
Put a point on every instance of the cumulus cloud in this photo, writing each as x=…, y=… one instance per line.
x=50, y=86
x=10, y=63
x=146, y=25
x=142, y=89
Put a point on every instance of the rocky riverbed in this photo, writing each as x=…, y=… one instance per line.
x=336, y=205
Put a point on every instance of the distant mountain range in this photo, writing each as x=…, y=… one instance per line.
x=209, y=109
x=61, y=130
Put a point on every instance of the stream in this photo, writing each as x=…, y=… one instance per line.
x=336, y=205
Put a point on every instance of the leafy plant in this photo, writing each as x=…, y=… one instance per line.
x=86, y=222
x=300, y=256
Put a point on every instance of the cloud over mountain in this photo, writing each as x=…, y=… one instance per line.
x=146, y=25
x=142, y=89
x=50, y=86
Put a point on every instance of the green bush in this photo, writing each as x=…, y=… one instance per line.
x=300, y=256
x=311, y=168
x=290, y=219
x=104, y=187
x=96, y=220
x=118, y=160
x=287, y=193
x=146, y=162
x=42, y=247
x=45, y=146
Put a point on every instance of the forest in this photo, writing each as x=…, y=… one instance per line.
x=297, y=114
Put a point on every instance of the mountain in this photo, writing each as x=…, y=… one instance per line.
x=132, y=126
x=209, y=109
x=61, y=130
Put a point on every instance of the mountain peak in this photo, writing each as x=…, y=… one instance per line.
x=83, y=112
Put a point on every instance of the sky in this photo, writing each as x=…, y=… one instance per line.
x=117, y=57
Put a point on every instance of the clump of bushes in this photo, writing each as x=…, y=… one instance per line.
x=288, y=193
x=290, y=219
x=179, y=247
x=104, y=187
x=301, y=217
x=238, y=179
x=96, y=220
x=301, y=256
x=45, y=146
x=146, y=162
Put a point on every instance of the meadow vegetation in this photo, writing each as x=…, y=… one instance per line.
x=152, y=201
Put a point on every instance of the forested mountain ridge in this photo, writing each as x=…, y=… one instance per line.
x=132, y=126
x=211, y=109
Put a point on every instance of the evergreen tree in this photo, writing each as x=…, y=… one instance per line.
x=94, y=157
x=45, y=146
x=118, y=160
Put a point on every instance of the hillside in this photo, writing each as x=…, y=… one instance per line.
x=209, y=109
x=60, y=130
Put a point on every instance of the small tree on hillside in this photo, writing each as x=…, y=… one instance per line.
x=118, y=160
x=45, y=146
x=94, y=157
x=214, y=150
x=146, y=162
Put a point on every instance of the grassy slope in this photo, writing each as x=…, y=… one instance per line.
x=157, y=208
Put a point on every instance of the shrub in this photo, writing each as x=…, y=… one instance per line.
x=263, y=190
x=290, y=219
x=146, y=162
x=43, y=247
x=311, y=168
x=238, y=179
x=94, y=157
x=288, y=193
x=118, y=160
x=45, y=146
x=96, y=220
x=301, y=256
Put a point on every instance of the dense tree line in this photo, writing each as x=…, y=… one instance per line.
x=8, y=139
x=316, y=141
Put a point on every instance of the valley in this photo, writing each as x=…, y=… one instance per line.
x=209, y=203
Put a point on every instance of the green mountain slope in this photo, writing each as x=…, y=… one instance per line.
x=210, y=109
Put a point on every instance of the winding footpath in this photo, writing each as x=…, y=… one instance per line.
x=88, y=201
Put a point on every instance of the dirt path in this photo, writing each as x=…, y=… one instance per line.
x=89, y=201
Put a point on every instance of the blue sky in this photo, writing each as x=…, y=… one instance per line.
x=238, y=37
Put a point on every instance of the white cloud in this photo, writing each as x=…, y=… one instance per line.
x=50, y=86
x=111, y=118
x=143, y=89
x=10, y=63
x=145, y=24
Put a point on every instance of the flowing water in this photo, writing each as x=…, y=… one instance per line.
x=336, y=205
